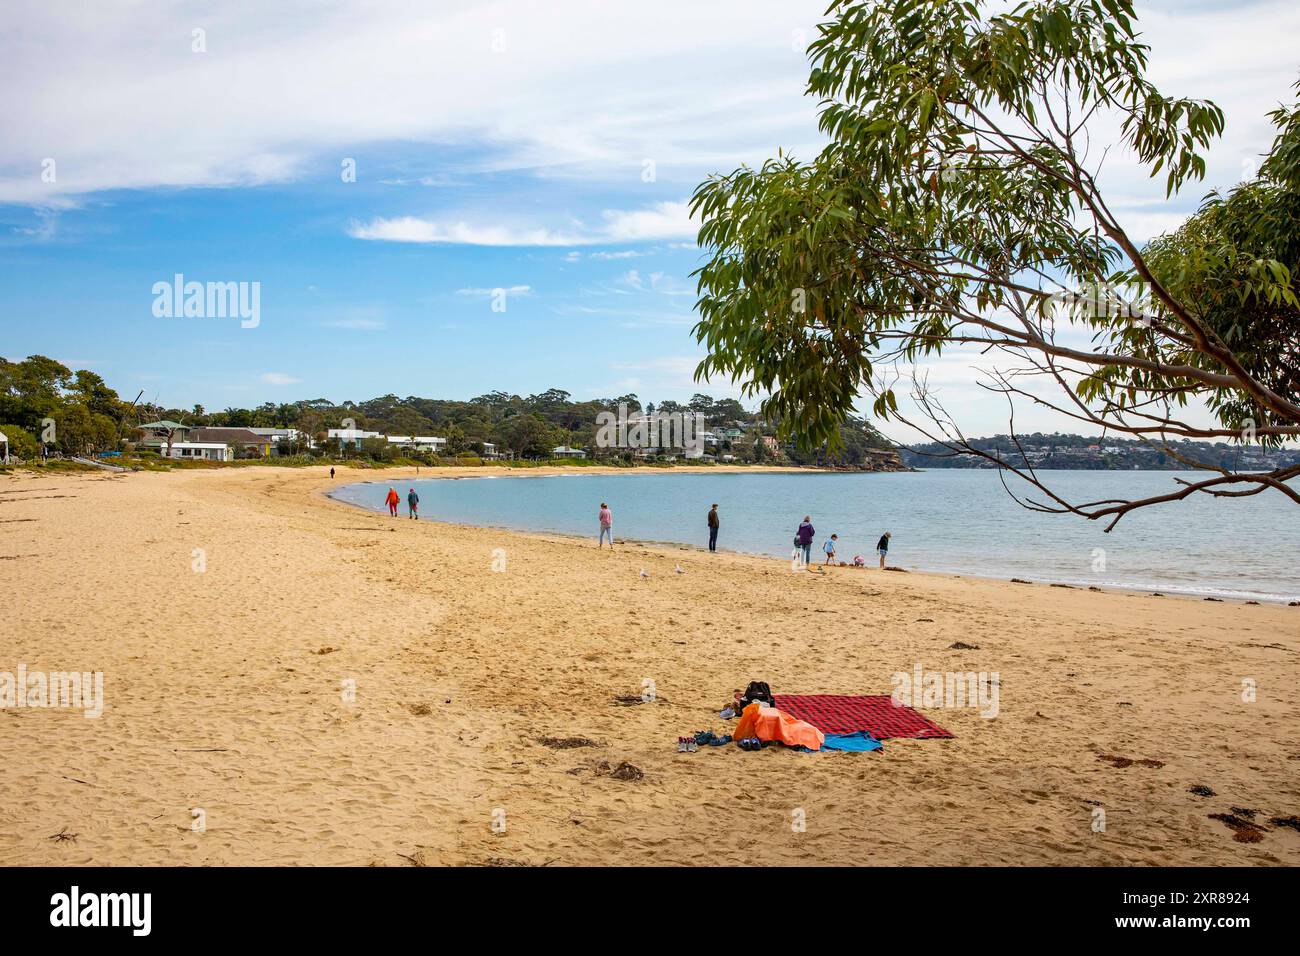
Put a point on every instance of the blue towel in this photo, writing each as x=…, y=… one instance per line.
x=858, y=742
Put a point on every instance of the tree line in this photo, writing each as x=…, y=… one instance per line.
x=89, y=417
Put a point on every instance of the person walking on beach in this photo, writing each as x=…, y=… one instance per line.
x=882, y=546
x=803, y=538
x=331, y=472
x=714, y=524
x=829, y=548
x=413, y=505
x=606, y=526
x=391, y=500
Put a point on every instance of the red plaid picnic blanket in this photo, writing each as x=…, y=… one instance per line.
x=846, y=714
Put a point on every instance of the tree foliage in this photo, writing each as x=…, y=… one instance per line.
x=956, y=207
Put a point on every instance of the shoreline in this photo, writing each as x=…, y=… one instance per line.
x=1210, y=594
x=226, y=696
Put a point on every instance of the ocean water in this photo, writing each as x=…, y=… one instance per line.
x=961, y=522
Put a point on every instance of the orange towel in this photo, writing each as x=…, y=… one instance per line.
x=768, y=723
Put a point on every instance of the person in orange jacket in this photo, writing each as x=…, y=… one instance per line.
x=392, y=501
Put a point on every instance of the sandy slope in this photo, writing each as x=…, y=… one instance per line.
x=219, y=698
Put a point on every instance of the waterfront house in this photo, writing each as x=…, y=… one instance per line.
x=243, y=442
x=424, y=443
x=350, y=436
x=200, y=451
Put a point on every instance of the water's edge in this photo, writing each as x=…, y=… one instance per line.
x=1166, y=589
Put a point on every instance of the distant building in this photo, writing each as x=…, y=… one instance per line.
x=564, y=451
x=426, y=443
x=290, y=436
x=350, y=436
x=4, y=449
x=197, y=450
x=243, y=441
x=157, y=434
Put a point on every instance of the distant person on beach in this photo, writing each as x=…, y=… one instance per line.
x=413, y=505
x=714, y=524
x=882, y=547
x=391, y=500
x=829, y=548
x=606, y=526
x=803, y=538
x=331, y=471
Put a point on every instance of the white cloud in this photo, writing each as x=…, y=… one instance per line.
x=118, y=98
x=279, y=378
x=659, y=221
x=622, y=254
x=413, y=229
x=665, y=220
x=509, y=290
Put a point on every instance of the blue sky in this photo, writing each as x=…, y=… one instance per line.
x=502, y=145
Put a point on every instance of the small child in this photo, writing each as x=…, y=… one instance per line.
x=829, y=548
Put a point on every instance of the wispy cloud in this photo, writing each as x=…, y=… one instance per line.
x=414, y=229
x=508, y=289
x=279, y=378
x=623, y=254
x=584, y=92
x=662, y=220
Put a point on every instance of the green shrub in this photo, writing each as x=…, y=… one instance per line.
x=22, y=443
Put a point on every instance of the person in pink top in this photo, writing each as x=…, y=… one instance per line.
x=606, y=526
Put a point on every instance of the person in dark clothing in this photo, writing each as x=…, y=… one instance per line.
x=804, y=538
x=714, y=524
x=331, y=471
x=882, y=546
x=413, y=505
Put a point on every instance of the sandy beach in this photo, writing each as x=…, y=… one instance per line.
x=232, y=610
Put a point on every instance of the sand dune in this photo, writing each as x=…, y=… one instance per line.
x=225, y=694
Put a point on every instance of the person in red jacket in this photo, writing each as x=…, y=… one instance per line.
x=392, y=501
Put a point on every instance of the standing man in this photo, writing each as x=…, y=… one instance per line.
x=803, y=539
x=606, y=526
x=331, y=472
x=714, y=524
x=413, y=505
x=391, y=500
x=882, y=546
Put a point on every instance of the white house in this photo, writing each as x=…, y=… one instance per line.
x=200, y=450
x=354, y=435
x=564, y=451
x=276, y=435
x=4, y=449
x=430, y=443
x=490, y=451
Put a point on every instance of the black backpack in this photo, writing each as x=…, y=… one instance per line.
x=757, y=690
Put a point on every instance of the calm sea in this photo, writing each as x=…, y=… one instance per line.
x=962, y=522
